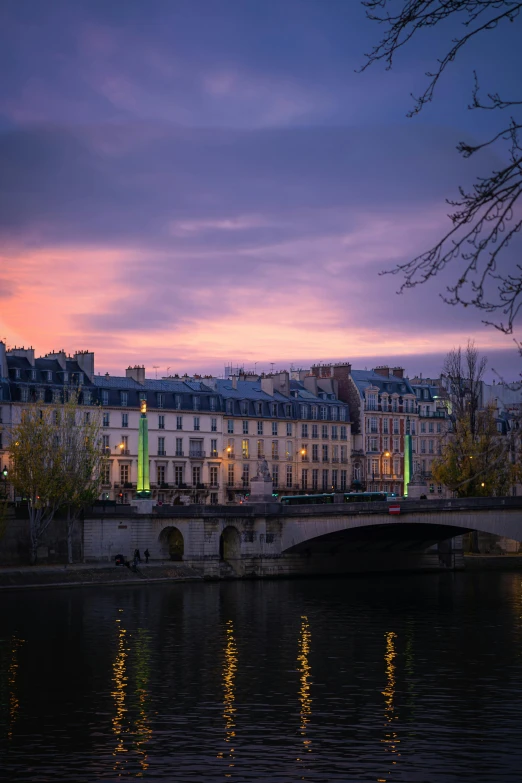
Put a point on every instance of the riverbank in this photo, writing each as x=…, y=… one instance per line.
x=93, y=574
x=505, y=562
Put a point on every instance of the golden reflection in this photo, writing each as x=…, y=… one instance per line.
x=143, y=729
x=390, y=736
x=229, y=697
x=305, y=698
x=12, y=674
x=120, y=679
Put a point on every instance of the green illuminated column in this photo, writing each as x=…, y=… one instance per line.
x=143, y=486
x=407, y=463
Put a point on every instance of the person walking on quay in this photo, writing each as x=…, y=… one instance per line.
x=147, y=555
x=137, y=555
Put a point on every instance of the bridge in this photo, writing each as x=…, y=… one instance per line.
x=269, y=539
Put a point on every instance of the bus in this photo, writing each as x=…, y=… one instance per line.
x=330, y=497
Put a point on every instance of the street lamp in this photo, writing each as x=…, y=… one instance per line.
x=5, y=473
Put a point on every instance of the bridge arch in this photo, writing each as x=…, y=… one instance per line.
x=172, y=544
x=229, y=544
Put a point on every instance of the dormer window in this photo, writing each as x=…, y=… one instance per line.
x=123, y=398
x=80, y=379
x=17, y=372
x=160, y=399
x=66, y=377
x=195, y=403
x=212, y=403
x=33, y=375
x=49, y=375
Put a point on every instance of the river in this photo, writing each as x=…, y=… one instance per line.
x=383, y=678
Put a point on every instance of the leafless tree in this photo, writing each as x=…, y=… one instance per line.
x=485, y=219
x=464, y=372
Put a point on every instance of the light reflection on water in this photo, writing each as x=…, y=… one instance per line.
x=398, y=678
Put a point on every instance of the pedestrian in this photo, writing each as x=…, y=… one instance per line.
x=137, y=555
x=147, y=555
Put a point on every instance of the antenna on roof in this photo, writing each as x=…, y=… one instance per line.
x=156, y=367
x=168, y=368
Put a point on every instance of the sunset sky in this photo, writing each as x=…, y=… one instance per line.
x=191, y=184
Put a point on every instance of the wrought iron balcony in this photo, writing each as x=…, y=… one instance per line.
x=196, y=454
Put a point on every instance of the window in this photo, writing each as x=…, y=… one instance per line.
x=344, y=435
x=124, y=474
x=304, y=479
x=371, y=401
x=430, y=447
x=289, y=476
x=304, y=452
x=335, y=478
x=195, y=403
x=304, y=411
x=334, y=431
x=124, y=444
x=385, y=425
x=288, y=410
x=161, y=447
x=106, y=473
x=315, y=452
x=259, y=408
x=106, y=419
x=342, y=414
x=230, y=426
x=245, y=478
x=161, y=422
x=230, y=406
x=106, y=440
x=260, y=449
x=87, y=418
x=439, y=427
x=245, y=427
x=160, y=474
x=230, y=474
x=213, y=425
x=373, y=444
x=212, y=403
x=396, y=444
x=397, y=467
x=123, y=398
x=324, y=412
x=314, y=411
x=275, y=475
x=335, y=453
x=179, y=447
x=244, y=448
x=423, y=426
x=178, y=475
x=160, y=398
x=196, y=475
x=124, y=419
x=374, y=467
x=385, y=442
x=259, y=427
x=304, y=430
x=105, y=397
x=315, y=478
x=315, y=431
x=24, y=394
x=179, y=422
x=396, y=426
x=325, y=452
x=394, y=404
x=334, y=411
x=373, y=424
x=289, y=429
x=274, y=428
x=86, y=396
x=275, y=449
x=177, y=401
x=230, y=448
x=386, y=466
x=49, y=375
x=289, y=449
x=412, y=427
x=213, y=475
x=325, y=480
x=430, y=426
x=423, y=446
x=196, y=422
x=244, y=407
x=324, y=430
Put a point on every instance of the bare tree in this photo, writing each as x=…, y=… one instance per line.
x=485, y=219
x=464, y=374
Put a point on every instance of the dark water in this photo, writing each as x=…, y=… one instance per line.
x=390, y=678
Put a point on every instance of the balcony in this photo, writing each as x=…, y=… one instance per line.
x=335, y=459
x=196, y=454
x=275, y=456
x=162, y=453
x=344, y=460
x=231, y=455
x=325, y=459
x=304, y=458
x=179, y=453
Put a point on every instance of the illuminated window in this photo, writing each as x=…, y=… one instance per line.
x=244, y=449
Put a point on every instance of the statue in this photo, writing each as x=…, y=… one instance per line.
x=263, y=471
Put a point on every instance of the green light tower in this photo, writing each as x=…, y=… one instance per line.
x=143, y=485
x=408, y=461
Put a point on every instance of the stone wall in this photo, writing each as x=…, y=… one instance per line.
x=14, y=543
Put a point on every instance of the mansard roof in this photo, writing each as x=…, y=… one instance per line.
x=363, y=379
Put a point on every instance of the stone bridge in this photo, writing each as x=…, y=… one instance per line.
x=271, y=539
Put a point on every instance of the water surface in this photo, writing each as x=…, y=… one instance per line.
x=387, y=678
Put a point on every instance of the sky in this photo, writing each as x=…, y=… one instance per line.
x=192, y=184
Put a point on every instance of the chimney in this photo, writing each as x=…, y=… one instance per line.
x=382, y=370
x=85, y=361
x=234, y=381
x=58, y=356
x=341, y=378
x=137, y=373
x=27, y=353
x=267, y=385
x=4, y=373
x=398, y=372
x=310, y=384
